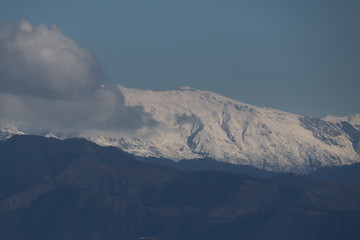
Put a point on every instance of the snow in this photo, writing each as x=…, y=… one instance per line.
x=8, y=130
x=205, y=124
x=195, y=124
x=354, y=120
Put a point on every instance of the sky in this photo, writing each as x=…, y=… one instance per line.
x=298, y=56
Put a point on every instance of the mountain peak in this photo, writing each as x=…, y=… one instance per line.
x=198, y=124
x=186, y=89
x=7, y=130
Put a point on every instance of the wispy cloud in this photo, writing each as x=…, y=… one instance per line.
x=49, y=81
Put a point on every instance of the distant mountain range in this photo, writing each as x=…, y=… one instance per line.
x=75, y=189
x=195, y=124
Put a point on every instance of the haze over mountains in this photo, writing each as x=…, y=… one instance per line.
x=191, y=123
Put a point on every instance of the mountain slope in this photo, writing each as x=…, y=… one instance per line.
x=196, y=123
x=74, y=189
x=8, y=130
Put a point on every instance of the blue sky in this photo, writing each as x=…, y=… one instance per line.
x=298, y=56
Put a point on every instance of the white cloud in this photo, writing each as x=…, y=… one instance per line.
x=25, y=26
x=42, y=61
x=49, y=81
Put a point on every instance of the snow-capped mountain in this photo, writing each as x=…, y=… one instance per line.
x=354, y=120
x=198, y=123
x=8, y=130
x=195, y=124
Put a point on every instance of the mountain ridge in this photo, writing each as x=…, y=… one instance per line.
x=75, y=189
x=195, y=124
x=210, y=125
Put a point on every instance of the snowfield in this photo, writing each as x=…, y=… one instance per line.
x=192, y=124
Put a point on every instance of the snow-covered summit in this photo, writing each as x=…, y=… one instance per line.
x=193, y=123
x=199, y=123
x=8, y=130
x=185, y=88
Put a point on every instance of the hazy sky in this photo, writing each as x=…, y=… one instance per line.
x=298, y=56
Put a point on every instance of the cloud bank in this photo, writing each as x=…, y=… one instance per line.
x=50, y=82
